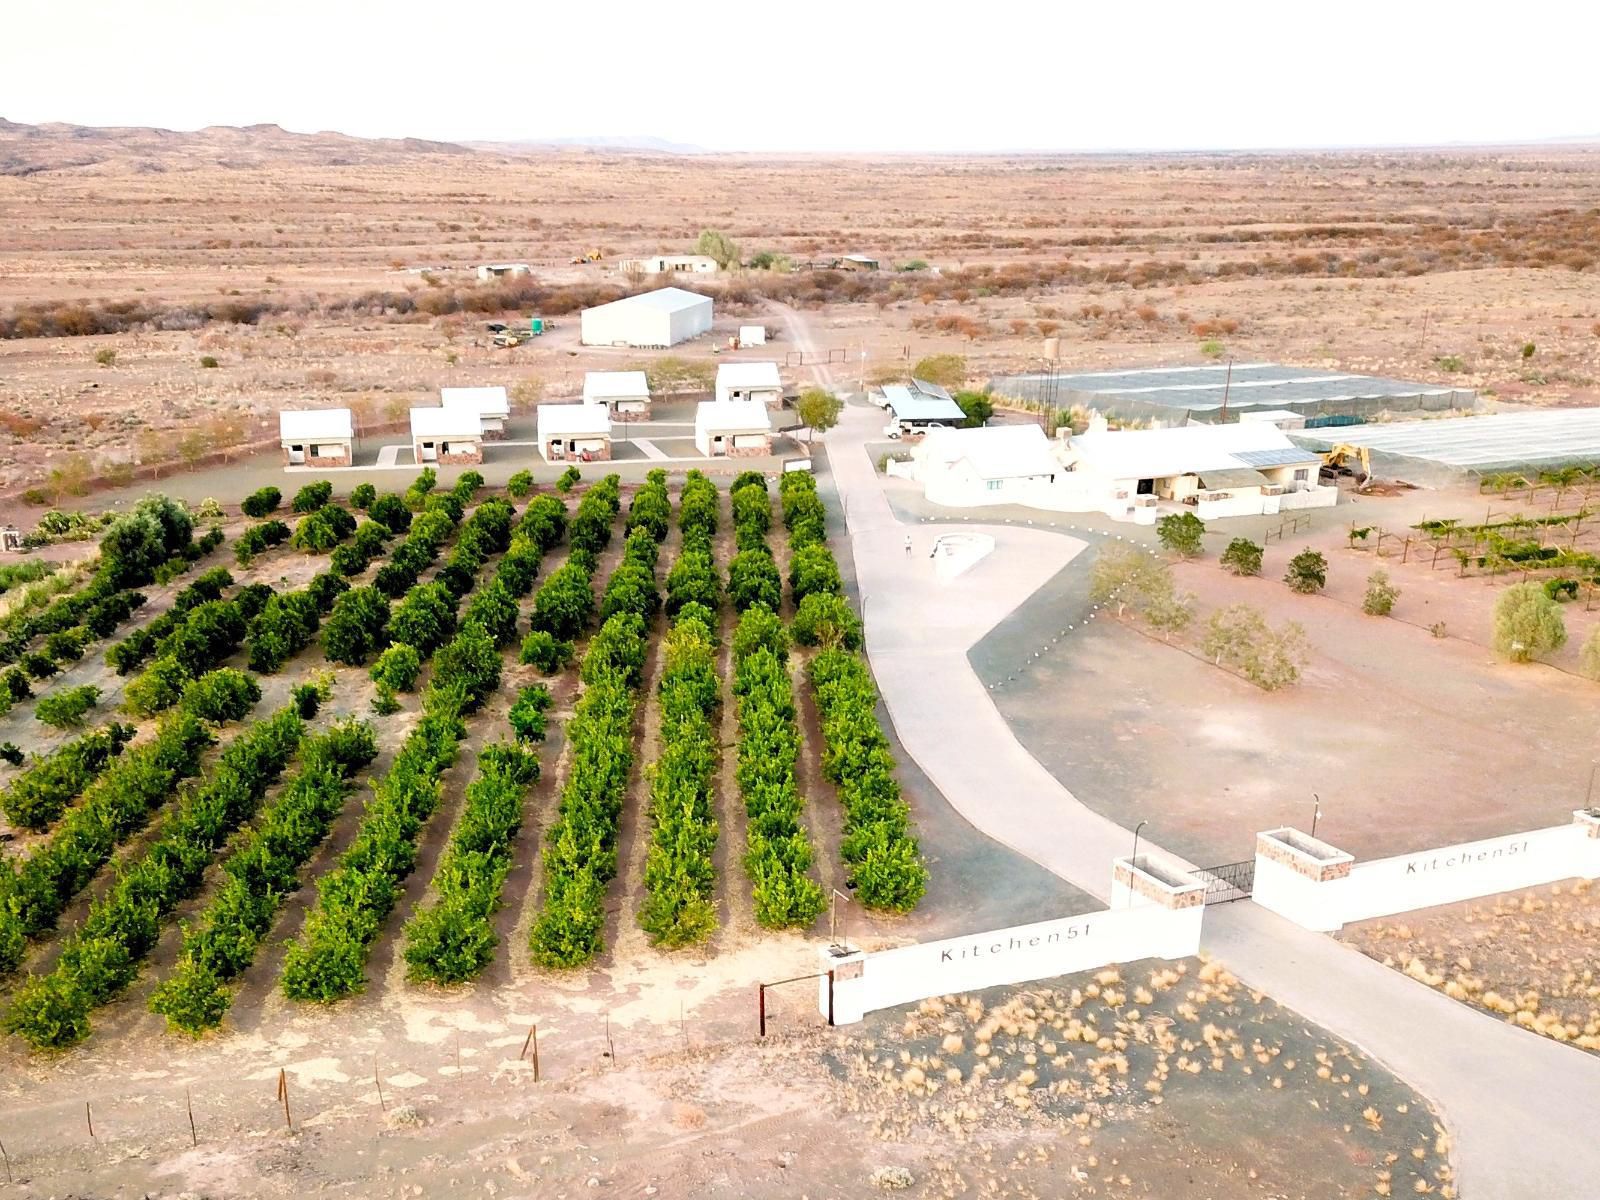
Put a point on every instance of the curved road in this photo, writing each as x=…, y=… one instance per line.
x=1519, y=1107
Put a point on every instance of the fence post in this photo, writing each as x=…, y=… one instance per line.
x=761, y=1008
x=830, y=998
x=283, y=1094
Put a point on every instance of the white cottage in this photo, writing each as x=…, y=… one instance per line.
x=319, y=437
x=574, y=432
x=446, y=435
x=749, y=381
x=732, y=428
x=490, y=403
x=625, y=393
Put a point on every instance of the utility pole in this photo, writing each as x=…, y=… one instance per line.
x=1227, y=384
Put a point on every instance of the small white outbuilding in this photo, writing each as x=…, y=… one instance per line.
x=446, y=435
x=650, y=320
x=749, y=381
x=625, y=393
x=574, y=432
x=490, y=403
x=732, y=428
x=319, y=437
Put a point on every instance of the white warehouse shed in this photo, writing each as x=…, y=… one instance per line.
x=650, y=320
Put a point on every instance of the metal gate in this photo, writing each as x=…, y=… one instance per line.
x=1230, y=881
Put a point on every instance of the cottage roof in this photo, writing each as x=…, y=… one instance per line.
x=485, y=401
x=616, y=385
x=316, y=424
x=994, y=451
x=573, y=420
x=748, y=375
x=446, y=423
x=732, y=416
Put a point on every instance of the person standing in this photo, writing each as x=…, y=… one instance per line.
x=908, y=545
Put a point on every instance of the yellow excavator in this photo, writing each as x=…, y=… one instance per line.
x=1339, y=459
x=591, y=256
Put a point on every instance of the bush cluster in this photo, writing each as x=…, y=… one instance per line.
x=222, y=695
x=356, y=555
x=41, y=793
x=452, y=940
x=680, y=873
x=114, y=807
x=425, y=539
x=312, y=497
x=321, y=530
x=261, y=502
x=258, y=539
x=358, y=626
x=102, y=955
x=803, y=513
x=486, y=532
x=883, y=862
x=778, y=853
x=209, y=634
x=284, y=626
x=328, y=961
x=589, y=531
x=580, y=852
x=66, y=708
x=141, y=644
x=651, y=508
x=632, y=586
x=258, y=877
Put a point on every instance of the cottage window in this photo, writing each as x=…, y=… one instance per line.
x=994, y=485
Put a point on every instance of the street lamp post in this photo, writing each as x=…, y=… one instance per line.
x=1316, y=811
x=1134, y=861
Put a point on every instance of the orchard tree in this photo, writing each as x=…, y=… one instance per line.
x=1380, y=596
x=358, y=626
x=362, y=496
x=1307, y=573
x=827, y=620
x=425, y=618
x=390, y=510
x=1242, y=557
x=520, y=484
x=397, y=667
x=1181, y=533
x=818, y=410
x=1527, y=623
x=753, y=579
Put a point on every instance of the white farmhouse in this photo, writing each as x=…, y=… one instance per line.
x=490, y=403
x=625, y=393
x=446, y=435
x=319, y=437
x=1214, y=471
x=998, y=464
x=732, y=428
x=490, y=271
x=670, y=264
x=650, y=320
x=574, y=432
x=749, y=381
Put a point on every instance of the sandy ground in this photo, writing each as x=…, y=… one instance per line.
x=1527, y=957
x=1162, y=1080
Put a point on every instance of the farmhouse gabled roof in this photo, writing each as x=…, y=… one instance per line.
x=316, y=424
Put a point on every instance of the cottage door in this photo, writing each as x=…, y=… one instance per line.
x=430, y=452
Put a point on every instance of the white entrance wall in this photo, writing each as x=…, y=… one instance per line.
x=1320, y=887
x=1158, y=915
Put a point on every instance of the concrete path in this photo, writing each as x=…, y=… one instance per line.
x=1517, y=1105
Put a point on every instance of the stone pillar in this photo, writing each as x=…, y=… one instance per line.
x=1301, y=877
x=849, y=967
x=1588, y=856
x=1173, y=898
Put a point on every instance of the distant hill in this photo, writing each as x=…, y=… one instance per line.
x=641, y=142
x=54, y=147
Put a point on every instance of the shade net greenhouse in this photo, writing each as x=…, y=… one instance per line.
x=1215, y=394
x=1486, y=445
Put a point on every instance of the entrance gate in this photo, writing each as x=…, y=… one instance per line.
x=1228, y=882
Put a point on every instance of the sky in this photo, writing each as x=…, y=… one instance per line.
x=821, y=75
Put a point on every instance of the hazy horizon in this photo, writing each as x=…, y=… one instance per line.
x=936, y=78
